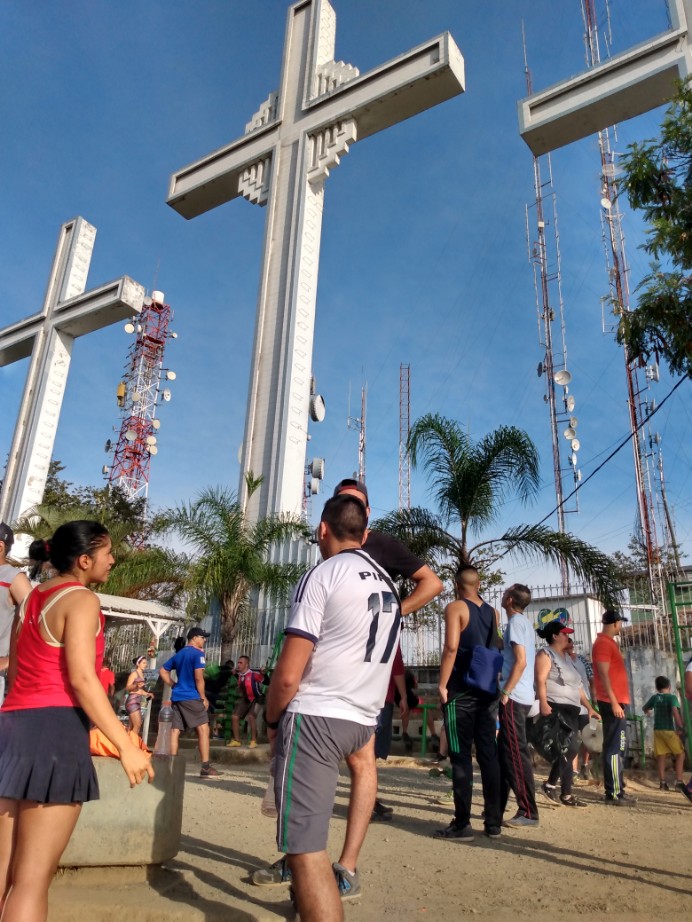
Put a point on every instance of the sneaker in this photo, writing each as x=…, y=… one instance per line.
x=550, y=792
x=439, y=757
x=348, y=884
x=624, y=800
x=380, y=812
x=253, y=744
x=585, y=772
x=408, y=742
x=381, y=808
x=446, y=799
x=464, y=833
x=276, y=875
x=520, y=821
x=233, y=743
x=492, y=832
x=685, y=789
x=576, y=778
x=663, y=786
x=209, y=772
x=572, y=801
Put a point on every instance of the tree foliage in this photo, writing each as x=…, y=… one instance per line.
x=658, y=181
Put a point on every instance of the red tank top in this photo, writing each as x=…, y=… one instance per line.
x=42, y=680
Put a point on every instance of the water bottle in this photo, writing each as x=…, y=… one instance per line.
x=268, y=807
x=163, y=737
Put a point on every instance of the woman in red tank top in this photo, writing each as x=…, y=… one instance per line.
x=46, y=772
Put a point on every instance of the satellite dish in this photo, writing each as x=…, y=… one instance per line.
x=573, y=459
x=562, y=377
x=174, y=335
x=318, y=408
x=578, y=476
x=105, y=469
x=171, y=375
x=151, y=440
x=569, y=433
x=156, y=423
x=129, y=328
x=152, y=449
x=136, y=397
x=574, y=422
x=314, y=486
x=166, y=394
x=539, y=369
x=576, y=444
x=108, y=445
x=317, y=468
x=570, y=403
x=606, y=203
x=130, y=435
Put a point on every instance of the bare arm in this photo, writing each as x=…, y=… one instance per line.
x=516, y=672
x=400, y=683
x=131, y=685
x=587, y=704
x=427, y=587
x=79, y=637
x=286, y=677
x=604, y=676
x=165, y=677
x=199, y=685
x=20, y=588
x=456, y=619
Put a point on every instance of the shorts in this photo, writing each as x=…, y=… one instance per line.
x=667, y=742
x=308, y=752
x=133, y=703
x=187, y=715
x=44, y=756
x=245, y=709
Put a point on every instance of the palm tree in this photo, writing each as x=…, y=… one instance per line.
x=231, y=554
x=469, y=482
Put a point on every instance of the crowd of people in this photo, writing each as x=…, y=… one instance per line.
x=330, y=699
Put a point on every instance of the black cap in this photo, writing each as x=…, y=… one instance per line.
x=353, y=484
x=6, y=535
x=197, y=632
x=612, y=617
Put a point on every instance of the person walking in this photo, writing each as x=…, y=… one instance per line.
x=560, y=691
x=324, y=699
x=612, y=695
x=46, y=772
x=14, y=588
x=247, y=706
x=470, y=715
x=188, y=700
x=516, y=697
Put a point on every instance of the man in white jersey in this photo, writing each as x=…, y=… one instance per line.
x=326, y=691
x=14, y=586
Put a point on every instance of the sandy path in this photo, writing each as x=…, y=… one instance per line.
x=628, y=863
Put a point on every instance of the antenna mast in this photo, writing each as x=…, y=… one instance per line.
x=358, y=423
x=138, y=397
x=404, y=429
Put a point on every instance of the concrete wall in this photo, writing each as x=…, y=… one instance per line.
x=643, y=665
x=130, y=826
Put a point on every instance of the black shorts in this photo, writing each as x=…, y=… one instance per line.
x=44, y=756
x=187, y=715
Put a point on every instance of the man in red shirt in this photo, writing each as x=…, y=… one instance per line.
x=612, y=694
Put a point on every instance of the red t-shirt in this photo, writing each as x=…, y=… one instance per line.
x=107, y=677
x=605, y=650
x=42, y=680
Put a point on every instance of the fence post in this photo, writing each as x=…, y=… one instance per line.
x=681, y=666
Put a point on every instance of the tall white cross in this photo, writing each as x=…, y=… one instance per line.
x=68, y=312
x=626, y=85
x=296, y=137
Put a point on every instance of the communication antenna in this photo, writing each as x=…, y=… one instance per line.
x=138, y=395
x=358, y=423
x=404, y=429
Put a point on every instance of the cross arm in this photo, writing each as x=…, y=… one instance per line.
x=213, y=180
x=627, y=85
x=408, y=84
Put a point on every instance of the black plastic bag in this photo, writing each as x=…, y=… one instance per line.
x=550, y=736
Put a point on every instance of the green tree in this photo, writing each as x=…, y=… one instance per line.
x=469, y=481
x=658, y=181
x=231, y=555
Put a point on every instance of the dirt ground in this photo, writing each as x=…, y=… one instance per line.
x=633, y=864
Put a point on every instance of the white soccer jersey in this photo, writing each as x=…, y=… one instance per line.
x=349, y=608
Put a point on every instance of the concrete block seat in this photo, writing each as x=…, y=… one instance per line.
x=130, y=826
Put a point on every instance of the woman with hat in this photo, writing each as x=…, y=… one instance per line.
x=559, y=691
x=135, y=692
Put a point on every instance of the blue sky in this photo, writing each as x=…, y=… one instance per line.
x=423, y=256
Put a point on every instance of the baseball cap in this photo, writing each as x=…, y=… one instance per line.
x=353, y=484
x=612, y=617
x=197, y=632
x=553, y=628
x=6, y=535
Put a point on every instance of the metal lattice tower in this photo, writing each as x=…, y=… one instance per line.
x=544, y=255
x=404, y=429
x=138, y=396
x=358, y=423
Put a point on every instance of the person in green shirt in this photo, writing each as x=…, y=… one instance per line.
x=667, y=730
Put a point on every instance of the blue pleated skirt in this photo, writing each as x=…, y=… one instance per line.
x=44, y=756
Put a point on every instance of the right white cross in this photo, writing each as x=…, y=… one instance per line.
x=626, y=85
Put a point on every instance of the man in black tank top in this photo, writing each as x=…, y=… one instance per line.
x=470, y=715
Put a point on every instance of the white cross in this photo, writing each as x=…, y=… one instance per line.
x=626, y=85
x=68, y=312
x=289, y=146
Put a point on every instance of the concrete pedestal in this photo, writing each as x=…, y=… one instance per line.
x=138, y=826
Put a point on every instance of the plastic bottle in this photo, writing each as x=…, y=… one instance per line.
x=268, y=807
x=163, y=737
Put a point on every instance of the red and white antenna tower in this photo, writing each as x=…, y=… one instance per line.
x=138, y=396
x=404, y=429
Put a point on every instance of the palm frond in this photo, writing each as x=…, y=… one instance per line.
x=421, y=532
